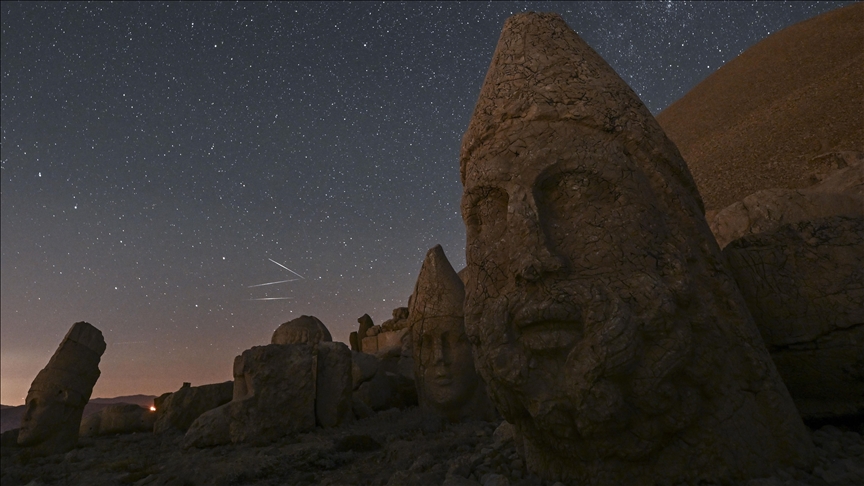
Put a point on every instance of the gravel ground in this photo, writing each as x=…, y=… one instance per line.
x=390, y=448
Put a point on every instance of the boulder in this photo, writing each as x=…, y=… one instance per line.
x=121, y=418
x=274, y=396
x=603, y=319
x=841, y=194
x=303, y=330
x=333, y=385
x=56, y=400
x=804, y=285
x=177, y=411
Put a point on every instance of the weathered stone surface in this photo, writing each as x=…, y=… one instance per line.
x=390, y=343
x=122, y=418
x=369, y=345
x=353, y=341
x=603, y=318
x=841, y=194
x=363, y=367
x=56, y=400
x=804, y=284
x=178, y=410
x=303, y=330
x=446, y=380
x=274, y=395
x=333, y=385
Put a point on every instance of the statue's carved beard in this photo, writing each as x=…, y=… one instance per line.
x=610, y=390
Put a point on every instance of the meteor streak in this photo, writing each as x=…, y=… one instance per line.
x=286, y=268
x=274, y=283
x=273, y=298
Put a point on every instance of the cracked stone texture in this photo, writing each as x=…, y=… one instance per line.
x=804, y=284
x=58, y=394
x=179, y=409
x=603, y=318
x=303, y=330
x=840, y=194
x=274, y=396
x=447, y=382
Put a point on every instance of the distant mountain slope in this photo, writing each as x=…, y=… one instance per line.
x=10, y=417
x=757, y=122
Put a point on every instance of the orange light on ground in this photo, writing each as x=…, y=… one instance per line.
x=152, y=408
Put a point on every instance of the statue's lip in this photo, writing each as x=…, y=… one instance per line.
x=532, y=316
x=550, y=327
x=550, y=335
x=442, y=380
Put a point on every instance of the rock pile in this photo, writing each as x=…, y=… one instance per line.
x=178, y=410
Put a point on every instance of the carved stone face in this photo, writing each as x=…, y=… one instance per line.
x=573, y=292
x=448, y=378
x=46, y=413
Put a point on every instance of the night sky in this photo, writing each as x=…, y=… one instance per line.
x=159, y=160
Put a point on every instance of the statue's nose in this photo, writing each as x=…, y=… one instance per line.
x=532, y=257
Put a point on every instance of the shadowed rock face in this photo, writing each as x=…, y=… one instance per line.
x=56, y=400
x=804, y=284
x=605, y=324
x=443, y=360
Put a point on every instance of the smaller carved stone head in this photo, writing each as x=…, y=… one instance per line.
x=447, y=381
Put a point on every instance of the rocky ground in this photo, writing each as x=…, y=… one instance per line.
x=390, y=448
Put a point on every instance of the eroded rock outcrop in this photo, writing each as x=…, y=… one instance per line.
x=604, y=321
x=122, y=418
x=56, y=400
x=444, y=373
x=178, y=410
x=804, y=284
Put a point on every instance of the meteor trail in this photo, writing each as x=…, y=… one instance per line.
x=286, y=268
x=274, y=283
x=273, y=298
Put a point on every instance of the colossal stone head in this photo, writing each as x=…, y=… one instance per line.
x=58, y=394
x=443, y=360
x=604, y=322
x=303, y=330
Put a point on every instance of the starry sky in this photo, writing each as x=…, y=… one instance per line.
x=160, y=160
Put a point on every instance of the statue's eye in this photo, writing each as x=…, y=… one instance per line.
x=566, y=191
x=486, y=209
